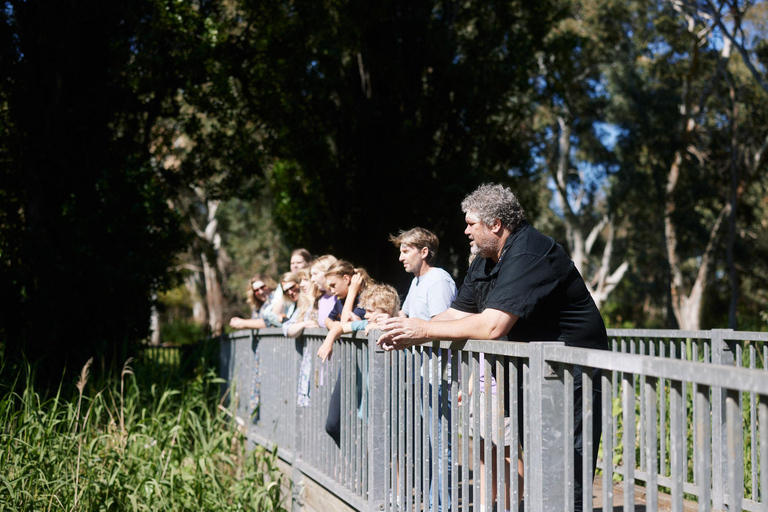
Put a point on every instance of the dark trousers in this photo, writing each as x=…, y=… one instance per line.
x=333, y=421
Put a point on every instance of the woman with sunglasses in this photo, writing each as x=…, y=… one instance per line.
x=284, y=305
x=260, y=297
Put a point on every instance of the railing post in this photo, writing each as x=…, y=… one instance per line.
x=378, y=459
x=545, y=481
x=723, y=355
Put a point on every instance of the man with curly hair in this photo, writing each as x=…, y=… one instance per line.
x=521, y=286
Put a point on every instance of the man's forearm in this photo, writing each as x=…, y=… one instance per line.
x=461, y=329
x=449, y=314
x=488, y=325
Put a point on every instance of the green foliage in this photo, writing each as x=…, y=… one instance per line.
x=366, y=104
x=130, y=443
x=180, y=332
x=253, y=242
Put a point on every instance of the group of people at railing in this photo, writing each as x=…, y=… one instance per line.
x=520, y=286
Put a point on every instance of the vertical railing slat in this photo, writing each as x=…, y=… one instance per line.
x=684, y=343
x=434, y=426
x=377, y=418
x=608, y=439
x=455, y=415
x=587, y=421
x=476, y=429
x=735, y=449
x=568, y=458
x=346, y=405
x=410, y=385
x=628, y=439
x=753, y=427
x=676, y=444
x=465, y=400
x=651, y=454
x=643, y=464
x=514, y=448
x=426, y=429
x=694, y=430
x=763, y=422
x=703, y=446
x=442, y=385
x=418, y=372
x=487, y=421
x=501, y=483
x=401, y=430
x=392, y=430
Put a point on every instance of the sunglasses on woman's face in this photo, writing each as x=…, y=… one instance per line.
x=293, y=288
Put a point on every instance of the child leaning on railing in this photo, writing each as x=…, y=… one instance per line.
x=377, y=300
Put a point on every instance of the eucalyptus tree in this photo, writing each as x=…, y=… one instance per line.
x=572, y=142
x=670, y=102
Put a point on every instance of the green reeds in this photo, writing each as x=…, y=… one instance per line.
x=129, y=444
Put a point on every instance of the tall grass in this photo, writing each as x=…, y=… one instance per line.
x=130, y=443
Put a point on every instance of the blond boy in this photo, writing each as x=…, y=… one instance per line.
x=377, y=300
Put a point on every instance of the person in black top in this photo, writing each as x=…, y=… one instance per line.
x=521, y=286
x=345, y=282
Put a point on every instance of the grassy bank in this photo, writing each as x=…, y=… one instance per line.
x=140, y=440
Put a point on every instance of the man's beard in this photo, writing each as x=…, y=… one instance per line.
x=484, y=250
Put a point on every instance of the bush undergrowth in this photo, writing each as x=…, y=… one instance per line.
x=137, y=441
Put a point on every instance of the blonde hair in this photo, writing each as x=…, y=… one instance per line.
x=381, y=296
x=289, y=277
x=250, y=297
x=303, y=274
x=306, y=304
x=345, y=268
x=324, y=262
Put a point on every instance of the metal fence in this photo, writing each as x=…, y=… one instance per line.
x=692, y=404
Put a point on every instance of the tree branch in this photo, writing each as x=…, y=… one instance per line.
x=739, y=47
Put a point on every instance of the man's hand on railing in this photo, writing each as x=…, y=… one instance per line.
x=401, y=333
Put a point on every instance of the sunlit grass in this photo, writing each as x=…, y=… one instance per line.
x=130, y=443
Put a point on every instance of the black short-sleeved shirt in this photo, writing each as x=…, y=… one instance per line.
x=335, y=314
x=537, y=281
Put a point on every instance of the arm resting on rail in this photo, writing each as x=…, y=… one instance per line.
x=452, y=324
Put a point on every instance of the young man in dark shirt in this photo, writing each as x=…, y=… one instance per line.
x=521, y=286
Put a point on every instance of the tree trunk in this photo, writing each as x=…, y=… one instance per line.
x=213, y=266
x=687, y=307
x=194, y=284
x=214, y=296
x=601, y=284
